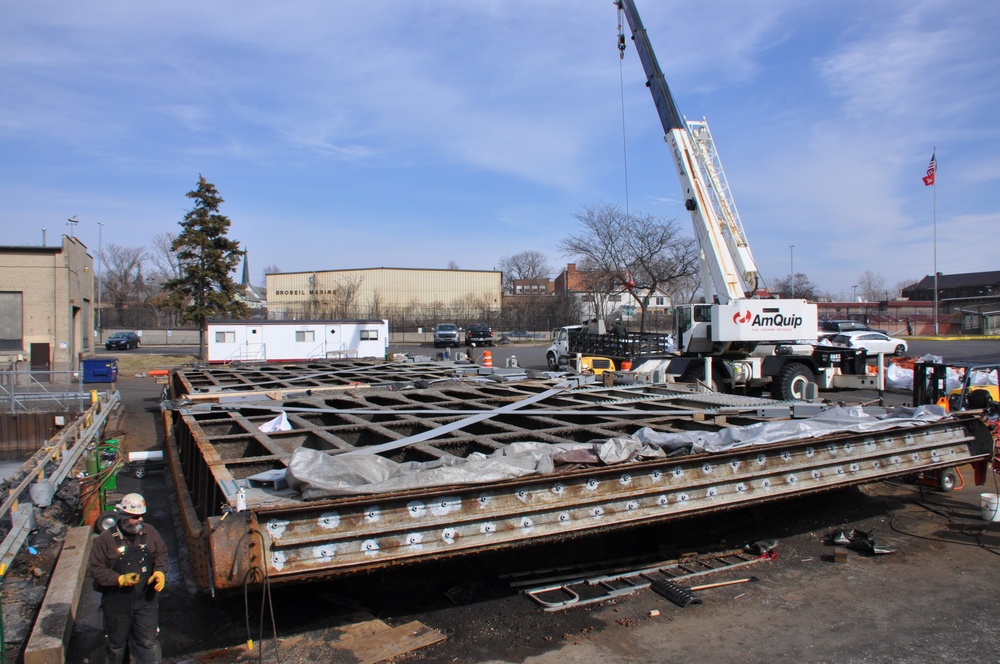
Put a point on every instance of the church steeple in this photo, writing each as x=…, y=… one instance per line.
x=246, y=270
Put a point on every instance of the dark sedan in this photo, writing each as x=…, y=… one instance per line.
x=123, y=341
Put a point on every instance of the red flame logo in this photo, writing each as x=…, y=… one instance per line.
x=742, y=318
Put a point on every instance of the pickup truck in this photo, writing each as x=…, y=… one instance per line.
x=445, y=334
x=479, y=334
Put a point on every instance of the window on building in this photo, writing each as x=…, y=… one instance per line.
x=661, y=301
x=369, y=335
x=305, y=335
x=11, y=321
x=223, y=337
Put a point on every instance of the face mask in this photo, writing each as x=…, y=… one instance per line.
x=132, y=527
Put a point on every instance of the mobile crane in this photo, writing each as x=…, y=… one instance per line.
x=738, y=342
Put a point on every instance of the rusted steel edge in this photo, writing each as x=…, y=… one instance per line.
x=274, y=395
x=337, y=549
x=194, y=530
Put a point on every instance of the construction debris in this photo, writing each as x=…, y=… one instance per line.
x=858, y=540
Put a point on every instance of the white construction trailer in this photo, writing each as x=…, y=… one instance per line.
x=291, y=341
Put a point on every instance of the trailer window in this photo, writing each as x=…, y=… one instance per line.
x=369, y=335
x=222, y=337
x=305, y=335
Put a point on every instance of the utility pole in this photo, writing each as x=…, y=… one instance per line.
x=100, y=280
x=791, y=249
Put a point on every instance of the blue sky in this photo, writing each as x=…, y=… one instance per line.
x=413, y=133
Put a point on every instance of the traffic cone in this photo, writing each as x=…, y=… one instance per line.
x=487, y=359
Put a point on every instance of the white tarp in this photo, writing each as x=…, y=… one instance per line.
x=835, y=420
x=316, y=474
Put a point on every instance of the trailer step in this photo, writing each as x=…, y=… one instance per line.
x=562, y=594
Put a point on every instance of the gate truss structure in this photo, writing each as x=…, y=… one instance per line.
x=408, y=411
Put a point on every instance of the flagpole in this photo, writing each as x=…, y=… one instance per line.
x=935, y=249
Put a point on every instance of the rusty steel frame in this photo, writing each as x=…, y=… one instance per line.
x=214, y=447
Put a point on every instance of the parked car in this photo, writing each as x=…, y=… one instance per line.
x=122, y=341
x=445, y=334
x=871, y=341
x=480, y=334
x=831, y=328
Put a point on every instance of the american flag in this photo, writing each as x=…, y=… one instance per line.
x=931, y=170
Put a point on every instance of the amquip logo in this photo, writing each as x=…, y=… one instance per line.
x=772, y=319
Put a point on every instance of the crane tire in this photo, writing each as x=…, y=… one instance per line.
x=790, y=383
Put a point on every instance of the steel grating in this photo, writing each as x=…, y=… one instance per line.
x=217, y=447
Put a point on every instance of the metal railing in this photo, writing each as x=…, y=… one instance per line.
x=66, y=449
x=42, y=391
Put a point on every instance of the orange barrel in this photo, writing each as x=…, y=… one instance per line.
x=626, y=365
x=487, y=359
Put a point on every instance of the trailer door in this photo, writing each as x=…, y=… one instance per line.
x=254, y=347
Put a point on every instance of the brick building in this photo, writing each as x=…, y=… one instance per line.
x=46, y=306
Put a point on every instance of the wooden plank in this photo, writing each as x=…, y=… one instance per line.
x=374, y=641
x=50, y=637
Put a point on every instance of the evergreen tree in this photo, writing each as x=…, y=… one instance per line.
x=206, y=257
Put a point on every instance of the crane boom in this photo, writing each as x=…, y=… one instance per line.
x=737, y=322
x=720, y=254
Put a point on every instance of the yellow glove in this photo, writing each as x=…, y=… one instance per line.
x=157, y=580
x=126, y=580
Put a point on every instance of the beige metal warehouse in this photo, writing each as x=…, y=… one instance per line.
x=373, y=291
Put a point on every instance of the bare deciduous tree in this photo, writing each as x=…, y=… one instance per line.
x=270, y=269
x=871, y=286
x=636, y=252
x=122, y=279
x=162, y=257
x=906, y=283
x=345, y=298
x=804, y=288
x=524, y=265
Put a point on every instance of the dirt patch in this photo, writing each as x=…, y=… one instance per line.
x=130, y=365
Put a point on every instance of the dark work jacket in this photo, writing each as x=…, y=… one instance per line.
x=115, y=552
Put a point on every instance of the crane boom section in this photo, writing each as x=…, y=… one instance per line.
x=719, y=261
x=725, y=206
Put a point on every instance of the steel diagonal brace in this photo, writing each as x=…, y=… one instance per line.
x=454, y=426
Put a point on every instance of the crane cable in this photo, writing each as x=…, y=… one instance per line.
x=621, y=85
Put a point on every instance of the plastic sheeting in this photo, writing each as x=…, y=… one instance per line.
x=316, y=474
x=835, y=420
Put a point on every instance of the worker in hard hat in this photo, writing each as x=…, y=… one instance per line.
x=128, y=563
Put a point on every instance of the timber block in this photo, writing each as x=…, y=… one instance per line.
x=50, y=637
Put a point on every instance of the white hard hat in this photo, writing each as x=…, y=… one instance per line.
x=132, y=504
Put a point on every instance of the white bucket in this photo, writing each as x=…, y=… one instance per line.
x=990, y=506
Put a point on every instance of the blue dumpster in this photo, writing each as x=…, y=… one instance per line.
x=100, y=370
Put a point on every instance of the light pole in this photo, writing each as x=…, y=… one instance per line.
x=791, y=249
x=100, y=271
